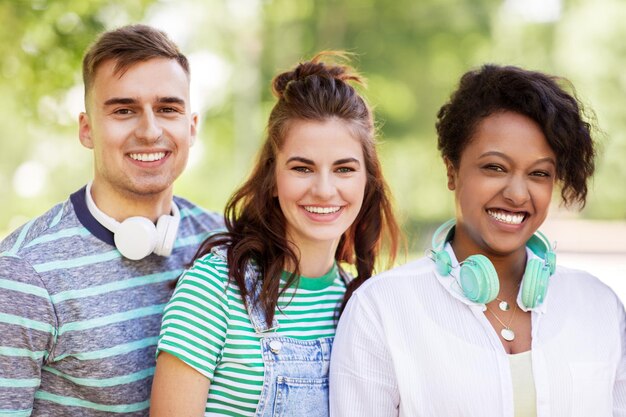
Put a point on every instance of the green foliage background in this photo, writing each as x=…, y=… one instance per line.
x=412, y=53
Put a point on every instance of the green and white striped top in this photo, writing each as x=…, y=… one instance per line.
x=206, y=325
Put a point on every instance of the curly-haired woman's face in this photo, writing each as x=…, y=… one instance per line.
x=320, y=182
x=503, y=186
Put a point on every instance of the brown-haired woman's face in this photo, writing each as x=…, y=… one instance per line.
x=320, y=181
x=503, y=185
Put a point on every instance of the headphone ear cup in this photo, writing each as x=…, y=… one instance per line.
x=479, y=279
x=443, y=262
x=167, y=229
x=535, y=283
x=135, y=238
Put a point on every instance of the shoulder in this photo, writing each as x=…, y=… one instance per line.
x=210, y=269
x=390, y=297
x=35, y=240
x=206, y=283
x=581, y=285
x=410, y=272
x=194, y=216
x=408, y=280
x=215, y=259
x=23, y=292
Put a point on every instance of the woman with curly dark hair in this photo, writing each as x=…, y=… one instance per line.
x=488, y=324
x=253, y=321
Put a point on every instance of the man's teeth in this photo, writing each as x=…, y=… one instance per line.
x=147, y=157
x=321, y=210
x=506, y=217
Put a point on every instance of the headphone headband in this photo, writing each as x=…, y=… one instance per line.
x=105, y=220
x=436, y=243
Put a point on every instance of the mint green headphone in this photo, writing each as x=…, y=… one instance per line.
x=478, y=277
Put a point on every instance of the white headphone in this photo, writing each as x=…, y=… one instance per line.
x=137, y=237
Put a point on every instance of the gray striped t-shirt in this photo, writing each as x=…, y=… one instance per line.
x=78, y=322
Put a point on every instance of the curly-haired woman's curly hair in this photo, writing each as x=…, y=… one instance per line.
x=536, y=95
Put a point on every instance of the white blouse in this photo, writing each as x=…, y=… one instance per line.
x=409, y=344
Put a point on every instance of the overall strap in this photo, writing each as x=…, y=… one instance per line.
x=253, y=287
x=345, y=276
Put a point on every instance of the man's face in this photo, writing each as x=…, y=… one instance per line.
x=139, y=125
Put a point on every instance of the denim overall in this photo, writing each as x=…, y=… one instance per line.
x=295, y=380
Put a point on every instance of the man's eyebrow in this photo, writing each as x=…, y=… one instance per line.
x=119, y=100
x=172, y=100
x=128, y=101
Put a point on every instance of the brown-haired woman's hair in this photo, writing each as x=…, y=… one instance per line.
x=127, y=46
x=539, y=96
x=256, y=227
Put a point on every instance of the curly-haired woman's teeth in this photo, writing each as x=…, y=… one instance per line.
x=511, y=218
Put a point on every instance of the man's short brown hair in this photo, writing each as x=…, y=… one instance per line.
x=129, y=45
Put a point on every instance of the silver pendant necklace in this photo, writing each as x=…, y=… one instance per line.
x=507, y=333
x=504, y=305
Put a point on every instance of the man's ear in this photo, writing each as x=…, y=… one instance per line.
x=84, y=130
x=450, y=173
x=194, y=129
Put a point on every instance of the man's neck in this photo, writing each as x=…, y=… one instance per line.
x=122, y=205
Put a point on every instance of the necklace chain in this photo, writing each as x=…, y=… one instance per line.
x=504, y=304
x=507, y=333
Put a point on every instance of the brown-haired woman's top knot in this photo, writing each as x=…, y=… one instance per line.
x=321, y=65
x=319, y=89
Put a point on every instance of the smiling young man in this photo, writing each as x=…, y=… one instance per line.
x=82, y=288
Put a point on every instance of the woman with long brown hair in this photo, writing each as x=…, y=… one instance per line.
x=253, y=321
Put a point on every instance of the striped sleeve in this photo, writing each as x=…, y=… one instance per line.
x=28, y=327
x=196, y=318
